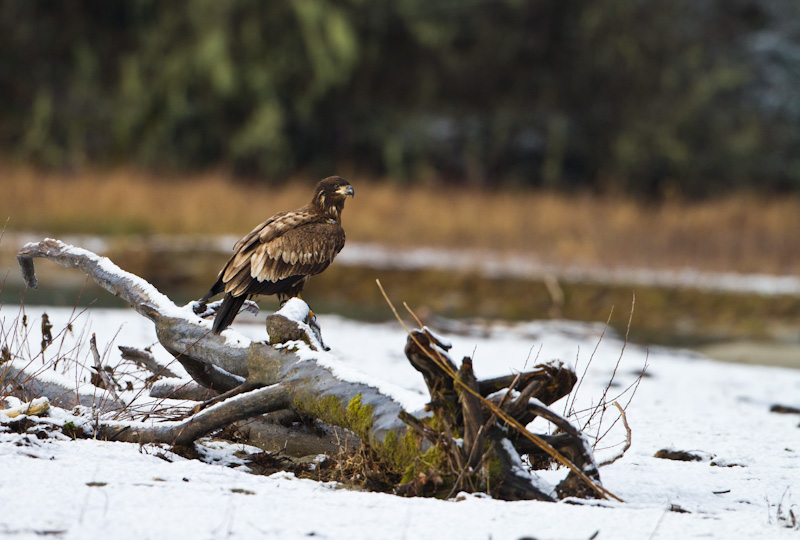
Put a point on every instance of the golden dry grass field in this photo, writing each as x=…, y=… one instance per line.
x=739, y=232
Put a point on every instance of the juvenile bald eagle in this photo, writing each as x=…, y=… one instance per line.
x=279, y=255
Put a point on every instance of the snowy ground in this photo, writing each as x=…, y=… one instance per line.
x=744, y=487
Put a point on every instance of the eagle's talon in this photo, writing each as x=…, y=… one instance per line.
x=250, y=307
x=203, y=309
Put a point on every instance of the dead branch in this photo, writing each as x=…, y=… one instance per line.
x=145, y=359
x=471, y=413
x=181, y=389
x=34, y=407
x=505, y=428
x=290, y=372
x=101, y=377
x=225, y=361
x=259, y=401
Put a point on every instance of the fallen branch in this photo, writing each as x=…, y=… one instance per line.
x=145, y=359
x=292, y=372
x=259, y=401
x=225, y=361
x=181, y=389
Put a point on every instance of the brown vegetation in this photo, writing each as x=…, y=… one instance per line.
x=739, y=232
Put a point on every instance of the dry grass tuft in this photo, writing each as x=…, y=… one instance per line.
x=738, y=232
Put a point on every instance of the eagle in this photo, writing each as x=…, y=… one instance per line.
x=279, y=256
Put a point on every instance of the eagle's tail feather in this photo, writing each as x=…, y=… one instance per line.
x=215, y=289
x=227, y=312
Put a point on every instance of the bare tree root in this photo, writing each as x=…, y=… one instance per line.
x=489, y=421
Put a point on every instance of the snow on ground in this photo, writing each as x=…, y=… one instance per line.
x=750, y=466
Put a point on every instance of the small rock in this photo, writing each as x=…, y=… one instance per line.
x=677, y=455
x=784, y=409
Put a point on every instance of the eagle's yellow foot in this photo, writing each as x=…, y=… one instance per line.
x=311, y=315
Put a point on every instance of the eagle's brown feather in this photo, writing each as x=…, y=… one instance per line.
x=279, y=255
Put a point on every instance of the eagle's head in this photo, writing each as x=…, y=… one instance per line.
x=330, y=194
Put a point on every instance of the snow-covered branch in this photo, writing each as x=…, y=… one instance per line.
x=255, y=402
x=476, y=426
x=224, y=362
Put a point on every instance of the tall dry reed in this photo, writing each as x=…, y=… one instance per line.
x=737, y=232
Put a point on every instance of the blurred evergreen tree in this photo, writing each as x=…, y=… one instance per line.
x=688, y=97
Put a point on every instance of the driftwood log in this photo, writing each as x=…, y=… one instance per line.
x=473, y=431
x=490, y=416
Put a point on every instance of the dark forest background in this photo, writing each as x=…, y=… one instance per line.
x=641, y=97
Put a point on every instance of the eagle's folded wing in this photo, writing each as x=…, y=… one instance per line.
x=304, y=248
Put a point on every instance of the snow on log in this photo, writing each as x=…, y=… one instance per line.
x=34, y=407
x=184, y=432
x=224, y=362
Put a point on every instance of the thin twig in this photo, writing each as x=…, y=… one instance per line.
x=601, y=406
x=536, y=359
x=635, y=386
x=625, y=448
x=589, y=363
x=108, y=383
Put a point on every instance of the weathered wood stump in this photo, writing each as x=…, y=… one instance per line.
x=478, y=412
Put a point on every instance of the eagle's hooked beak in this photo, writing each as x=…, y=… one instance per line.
x=344, y=191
